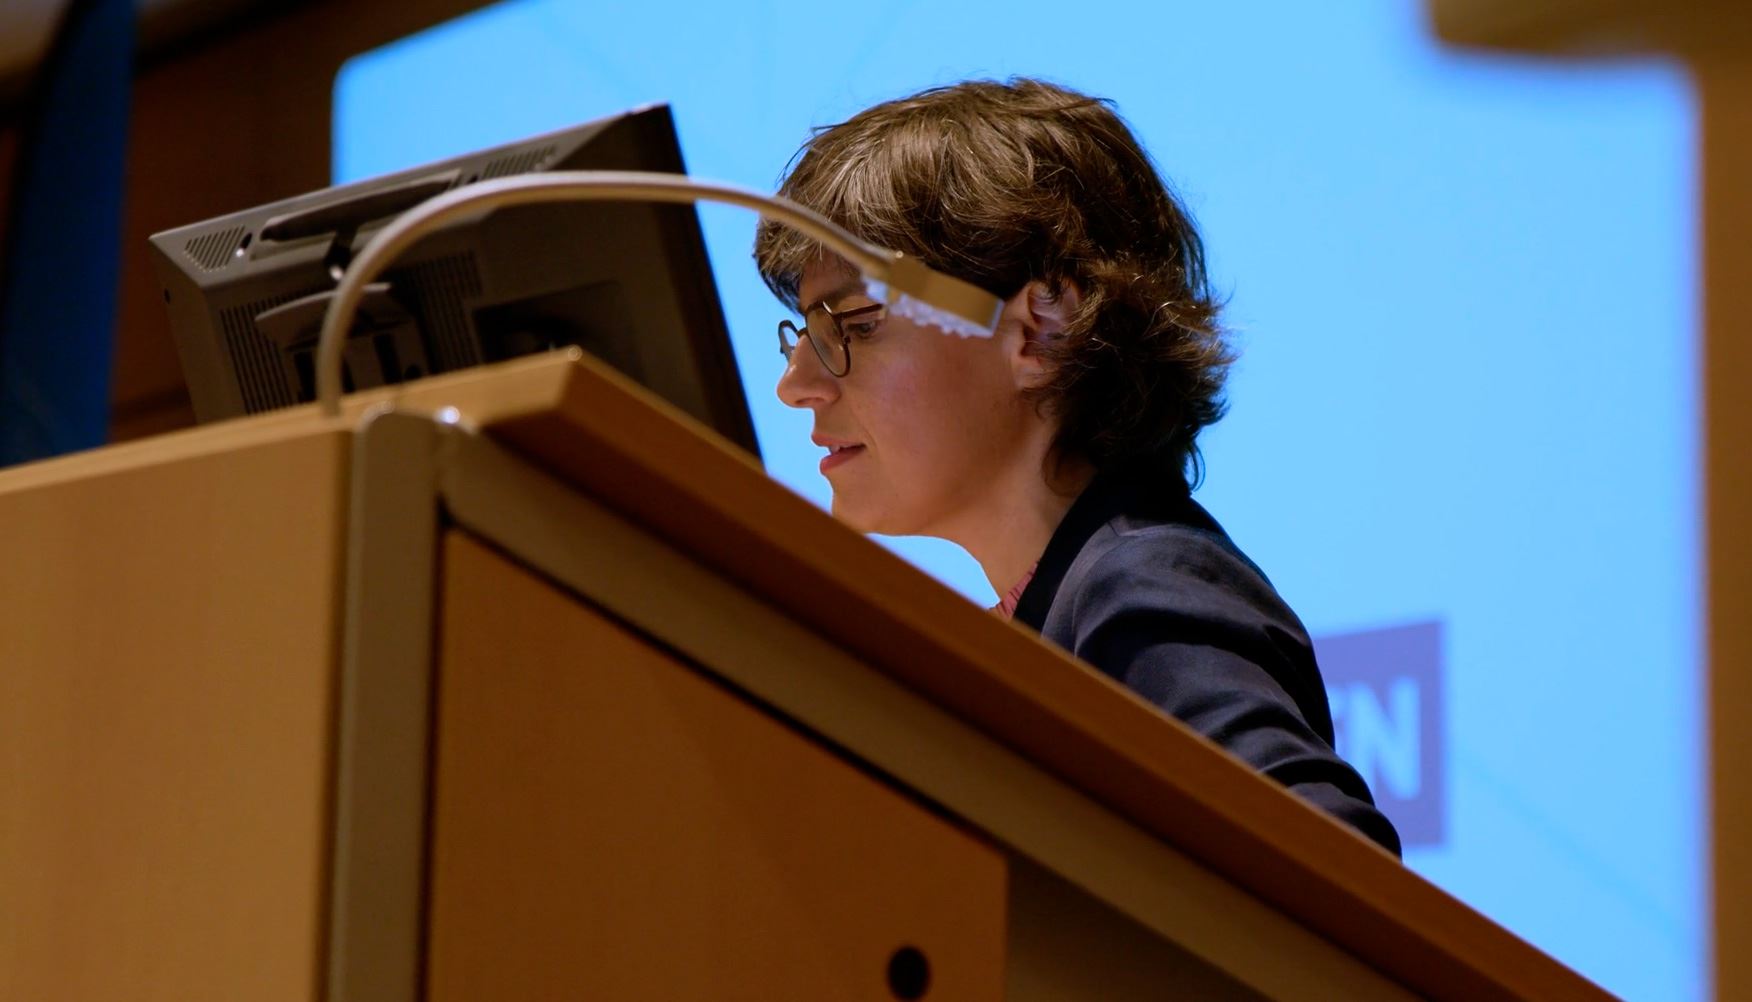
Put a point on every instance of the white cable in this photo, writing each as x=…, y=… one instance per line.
x=876, y=263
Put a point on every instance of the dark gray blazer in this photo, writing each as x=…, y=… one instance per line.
x=1140, y=582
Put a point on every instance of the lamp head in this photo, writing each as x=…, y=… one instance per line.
x=924, y=296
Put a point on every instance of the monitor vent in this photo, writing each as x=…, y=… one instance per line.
x=517, y=163
x=212, y=251
x=444, y=289
x=261, y=376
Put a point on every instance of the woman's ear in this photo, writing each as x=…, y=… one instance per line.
x=1032, y=317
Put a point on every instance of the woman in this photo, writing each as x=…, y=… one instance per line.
x=1059, y=452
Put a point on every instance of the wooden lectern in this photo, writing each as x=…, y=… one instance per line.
x=517, y=684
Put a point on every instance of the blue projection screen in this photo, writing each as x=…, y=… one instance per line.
x=1463, y=431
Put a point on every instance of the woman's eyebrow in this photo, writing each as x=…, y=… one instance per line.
x=845, y=288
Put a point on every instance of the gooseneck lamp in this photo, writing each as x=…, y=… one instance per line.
x=909, y=288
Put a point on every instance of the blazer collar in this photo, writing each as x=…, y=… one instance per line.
x=1107, y=496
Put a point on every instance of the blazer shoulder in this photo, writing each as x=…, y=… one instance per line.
x=1189, y=570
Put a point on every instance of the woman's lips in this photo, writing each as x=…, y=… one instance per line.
x=840, y=457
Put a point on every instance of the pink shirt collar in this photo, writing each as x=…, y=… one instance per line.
x=1006, y=607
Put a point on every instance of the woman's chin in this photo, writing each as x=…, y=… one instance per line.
x=848, y=512
x=859, y=514
x=873, y=520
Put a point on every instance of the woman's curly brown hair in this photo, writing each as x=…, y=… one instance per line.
x=1000, y=184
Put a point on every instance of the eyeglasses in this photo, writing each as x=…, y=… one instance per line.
x=831, y=333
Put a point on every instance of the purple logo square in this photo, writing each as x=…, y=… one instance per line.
x=1385, y=687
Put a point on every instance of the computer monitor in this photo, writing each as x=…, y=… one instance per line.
x=627, y=282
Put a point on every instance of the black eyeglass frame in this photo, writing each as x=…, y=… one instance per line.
x=786, y=346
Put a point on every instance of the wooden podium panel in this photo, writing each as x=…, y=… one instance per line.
x=168, y=624
x=610, y=823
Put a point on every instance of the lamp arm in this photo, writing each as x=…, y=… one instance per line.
x=930, y=295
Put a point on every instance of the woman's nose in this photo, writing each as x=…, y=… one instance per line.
x=805, y=381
